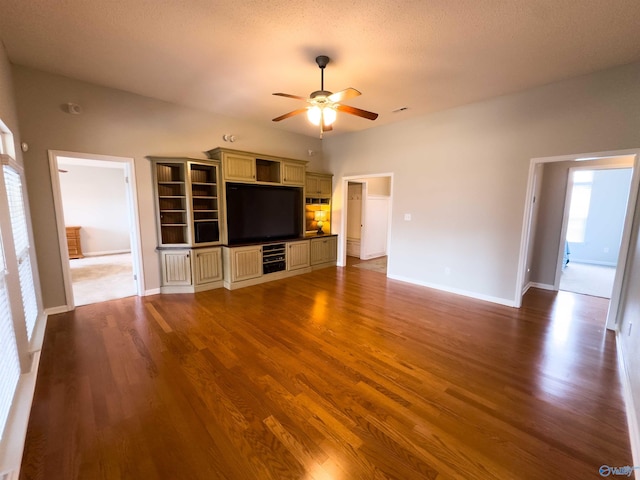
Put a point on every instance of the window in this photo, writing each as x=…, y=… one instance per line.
x=9, y=361
x=580, y=202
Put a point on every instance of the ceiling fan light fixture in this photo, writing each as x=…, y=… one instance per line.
x=328, y=115
x=323, y=106
x=325, y=114
x=314, y=114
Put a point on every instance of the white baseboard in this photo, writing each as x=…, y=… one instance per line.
x=591, y=262
x=629, y=402
x=56, y=310
x=543, y=286
x=106, y=252
x=464, y=293
x=152, y=291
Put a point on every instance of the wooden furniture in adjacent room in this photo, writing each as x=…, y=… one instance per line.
x=73, y=242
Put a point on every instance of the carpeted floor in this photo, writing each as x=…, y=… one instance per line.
x=595, y=280
x=376, y=264
x=102, y=278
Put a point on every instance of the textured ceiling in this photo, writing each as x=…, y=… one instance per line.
x=229, y=56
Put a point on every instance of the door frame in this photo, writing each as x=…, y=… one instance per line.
x=342, y=250
x=619, y=279
x=132, y=214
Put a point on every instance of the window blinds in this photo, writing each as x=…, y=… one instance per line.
x=13, y=184
x=9, y=361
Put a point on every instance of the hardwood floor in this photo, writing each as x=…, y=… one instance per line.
x=337, y=374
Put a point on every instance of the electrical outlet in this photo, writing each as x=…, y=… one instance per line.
x=407, y=217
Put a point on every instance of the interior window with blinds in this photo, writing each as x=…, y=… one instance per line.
x=9, y=361
x=13, y=184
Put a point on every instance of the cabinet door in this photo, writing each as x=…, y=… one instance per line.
x=318, y=184
x=297, y=255
x=324, y=250
x=208, y=265
x=324, y=185
x=292, y=174
x=311, y=185
x=246, y=263
x=176, y=268
x=239, y=167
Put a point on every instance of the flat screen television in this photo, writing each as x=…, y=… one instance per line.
x=258, y=213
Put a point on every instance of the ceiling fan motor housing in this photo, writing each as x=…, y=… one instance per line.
x=320, y=96
x=322, y=61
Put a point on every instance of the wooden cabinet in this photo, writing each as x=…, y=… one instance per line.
x=245, y=263
x=318, y=185
x=239, y=168
x=298, y=255
x=187, y=202
x=207, y=265
x=324, y=250
x=293, y=173
x=251, y=265
x=191, y=221
x=176, y=267
x=191, y=270
x=247, y=167
x=73, y=242
x=188, y=207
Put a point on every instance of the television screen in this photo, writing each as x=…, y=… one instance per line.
x=257, y=213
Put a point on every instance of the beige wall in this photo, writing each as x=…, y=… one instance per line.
x=462, y=174
x=378, y=186
x=126, y=125
x=8, y=112
x=546, y=245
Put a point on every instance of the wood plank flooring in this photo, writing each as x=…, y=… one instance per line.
x=335, y=375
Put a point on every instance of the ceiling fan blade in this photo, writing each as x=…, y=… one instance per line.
x=290, y=114
x=290, y=96
x=356, y=111
x=342, y=95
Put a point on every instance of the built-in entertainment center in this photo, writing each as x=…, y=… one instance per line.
x=238, y=219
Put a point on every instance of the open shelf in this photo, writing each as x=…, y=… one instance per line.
x=267, y=171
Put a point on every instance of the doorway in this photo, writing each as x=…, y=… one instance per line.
x=366, y=221
x=96, y=215
x=547, y=269
x=592, y=225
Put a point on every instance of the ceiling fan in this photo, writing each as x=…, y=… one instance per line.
x=324, y=105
